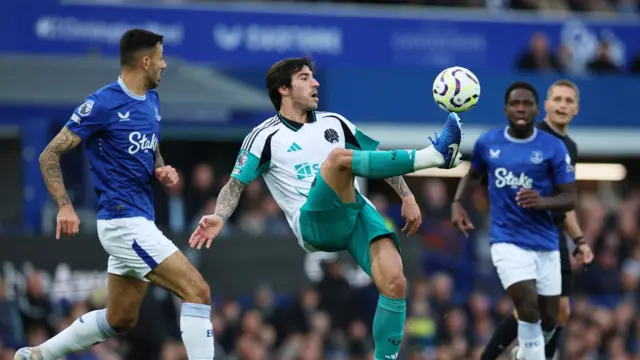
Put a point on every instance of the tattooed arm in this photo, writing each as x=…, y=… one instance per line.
x=50, y=164
x=399, y=185
x=228, y=199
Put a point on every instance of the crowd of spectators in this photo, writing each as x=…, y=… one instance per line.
x=450, y=316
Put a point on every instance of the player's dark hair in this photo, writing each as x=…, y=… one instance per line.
x=281, y=74
x=135, y=40
x=521, y=85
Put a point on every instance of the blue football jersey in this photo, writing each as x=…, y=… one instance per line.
x=540, y=163
x=121, y=131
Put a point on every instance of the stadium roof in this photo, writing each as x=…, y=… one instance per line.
x=186, y=89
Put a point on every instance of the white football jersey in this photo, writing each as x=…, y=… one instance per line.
x=288, y=155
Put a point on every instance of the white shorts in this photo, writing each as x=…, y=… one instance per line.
x=515, y=264
x=135, y=245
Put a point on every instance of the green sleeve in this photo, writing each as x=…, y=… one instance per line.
x=248, y=167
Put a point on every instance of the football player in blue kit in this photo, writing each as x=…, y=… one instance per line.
x=120, y=125
x=530, y=174
x=561, y=106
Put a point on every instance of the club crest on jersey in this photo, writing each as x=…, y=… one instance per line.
x=567, y=159
x=331, y=136
x=85, y=108
x=536, y=157
x=142, y=142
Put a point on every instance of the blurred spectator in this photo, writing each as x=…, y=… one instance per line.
x=203, y=187
x=539, y=56
x=603, y=64
x=36, y=309
x=176, y=206
x=11, y=330
x=336, y=295
x=382, y=205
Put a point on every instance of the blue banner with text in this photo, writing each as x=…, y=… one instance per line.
x=257, y=36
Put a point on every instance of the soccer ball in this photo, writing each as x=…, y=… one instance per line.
x=456, y=89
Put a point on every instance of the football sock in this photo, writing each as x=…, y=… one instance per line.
x=531, y=340
x=89, y=329
x=504, y=335
x=552, y=345
x=197, y=331
x=385, y=164
x=388, y=327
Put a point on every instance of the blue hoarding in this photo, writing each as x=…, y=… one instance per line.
x=231, y=37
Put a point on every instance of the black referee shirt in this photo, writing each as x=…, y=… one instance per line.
x=572, y=148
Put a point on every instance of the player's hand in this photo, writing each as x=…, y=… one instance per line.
x=167, y=175
x=67, y=222
x=583, y=253
x=460, y=218
x=411, y=214
x=208, y=228
x=528, y=199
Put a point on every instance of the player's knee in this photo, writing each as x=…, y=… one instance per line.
x=122, y=321
x=339, y=159
x=198, y=293
x=564, y=312
x=394, y=286
x=528, y=310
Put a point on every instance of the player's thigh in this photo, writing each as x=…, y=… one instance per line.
x=549, y=279
x=179, y=276
x=326, y=223
x=336, y=172
x=135, y=245
x=513, y=264
x=125, y=295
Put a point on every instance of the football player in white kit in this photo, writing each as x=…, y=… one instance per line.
x=309, y=161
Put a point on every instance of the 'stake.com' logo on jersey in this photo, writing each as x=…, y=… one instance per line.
x=306, y=170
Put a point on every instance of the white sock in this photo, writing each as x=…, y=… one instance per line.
x=197, y=331
x=531, y=340
x=427, y=158
x=88, y=330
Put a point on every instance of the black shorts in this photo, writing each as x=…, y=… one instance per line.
x=566, y=271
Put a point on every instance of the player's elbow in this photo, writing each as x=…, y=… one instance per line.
x=47, y=156
x=572, y=201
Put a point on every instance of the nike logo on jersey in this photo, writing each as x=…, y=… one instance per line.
x=124, y=117
x=453, y=152
x=294, y=147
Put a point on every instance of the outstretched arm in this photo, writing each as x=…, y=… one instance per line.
x=50, y=164
x=228, y=199
x=399, y=185
x=410, y=209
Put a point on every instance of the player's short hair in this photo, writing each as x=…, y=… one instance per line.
x=281, y=74
x=135, y=40
x=521, y=85
x=565, y=83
